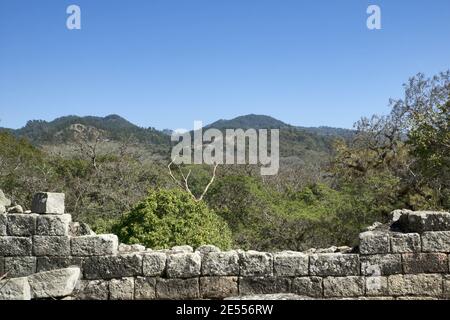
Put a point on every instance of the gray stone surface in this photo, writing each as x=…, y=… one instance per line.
x=51, y=246
x=154, y=264
x=254, y=263
x=425, y=263
x=77, y=229
x=218, y=287
x=405, y=242
x=2, y=266
x=381, y=265
x=264, y=285
x=3, y=224
x=109, y=267
x=446, y=287
x=121, y=289
x=220, y=264
x=15, y=209
x=54, y=263
x=15, y=246
x=207, y=249
x=130, y=248
x=3, y=200
x=98, y=245
x=54, y=284
x=2, y=208
x=53, y=225
x=145, y=288
x=183, y=265
x=21, y=225
x=415, y=285
x=20, y=266
x=175, y=289
x=377, y=286
x=374, y=242
x=48, y=202
x=308, y=286
x=436, y=241
x=182, y=249
x=92, y=290
x=344, y=286
x=15, y=289
x=290, y=264
x=421, y=221
x=334, y=264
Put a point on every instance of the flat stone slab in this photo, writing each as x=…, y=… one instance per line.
x=15, y=289
x=421, y=221
x=54, y=284
x=48, y=202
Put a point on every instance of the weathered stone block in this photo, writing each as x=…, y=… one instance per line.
x=77, y=229
x=415, y=285
x=130, y=248
x=264, y=285
x=2, y=266
x=54, y=263
x=92, y=290
x=15, y=289
x=177, y=289
x=291, y=264
x=53, y=225
x=438, y=241
x=98, y=245
x=218, y=287
x=4, y=201
x=308, y=286
x=47, y=202
x=154, y=264
x=220, y=264
x=15, y=246
x=254, y=263
x=343, y=287
x=405, y=243
x=183, y=265
x=205, y=249
x=377, y=286
x=3, y=225
x=54, y=284
x=381, y=265
x=145, y=288
x=374, y=242
x=425, y=263
x=51, y=246
x=446, y=289
x=20, y=266
x=334, y=264
x=108, y=267
x=121, y=289
x=421, y=221
x=182, y=249
x=21, y=225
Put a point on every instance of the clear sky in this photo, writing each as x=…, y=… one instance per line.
x=166, y=63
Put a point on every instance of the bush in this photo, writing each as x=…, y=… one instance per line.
x=172, y=217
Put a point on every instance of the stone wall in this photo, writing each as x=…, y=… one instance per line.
x=388, y=264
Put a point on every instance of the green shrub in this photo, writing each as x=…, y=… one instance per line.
x=172, y=217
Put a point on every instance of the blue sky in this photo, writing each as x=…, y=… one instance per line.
x=166, y=63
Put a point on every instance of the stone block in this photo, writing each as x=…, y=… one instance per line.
x=438, y=241
x=334, y=264
x=15, y=246
x=15, y=289
x=425, y=263
x=154, y=264
x=183, y=265
x=3, y=225
x=264, y=285
x=92, y=290
x=177, y=289
x=54, y=284
x=255, y=264
x=374, y=242
x=109, y=267
x=446, y=289
x=218, y=287
x=53, y=225
x=207, y=249
x=20, y=266
x=292, y=264
x=145, y=288
x=21, y=225
x=377, y=286
x=334, y=287
x=308, y=286
x=4, y=201
x=2, y=266
x=405, y=243
x=98, y=245
x=415, y=285
x=220, y=264
x=54, y=263
x=422, y=221
x=48, y=203
x=381, y=265
x=121, y=289
x=182, y=249
x=51, y=246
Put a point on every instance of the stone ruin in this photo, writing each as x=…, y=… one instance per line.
x=44, y=255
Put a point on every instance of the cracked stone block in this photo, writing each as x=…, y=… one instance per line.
x=48, y=203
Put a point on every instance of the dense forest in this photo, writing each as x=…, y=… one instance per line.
x=332, y=182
